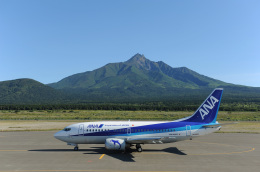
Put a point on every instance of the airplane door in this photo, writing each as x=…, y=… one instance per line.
x=129, y=131
x=188, y=130
x=81, y=129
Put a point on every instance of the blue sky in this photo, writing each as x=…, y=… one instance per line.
x=52, y=39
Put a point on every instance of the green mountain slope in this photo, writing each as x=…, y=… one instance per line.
x=137, y=72
x=135, y=80
x=28, y=91
x=141, y=79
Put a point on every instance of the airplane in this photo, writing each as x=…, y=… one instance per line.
x=121, y=135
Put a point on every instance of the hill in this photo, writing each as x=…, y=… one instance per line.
x=140, y=79
x=136, y=80
x=138, y=72
x=28, y=91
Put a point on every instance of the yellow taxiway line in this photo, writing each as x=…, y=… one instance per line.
x=102, y=156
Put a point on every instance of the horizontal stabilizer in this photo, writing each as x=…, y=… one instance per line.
x=218, y=124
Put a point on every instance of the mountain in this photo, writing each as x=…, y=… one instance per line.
x=28, y=91
x=135, y=73
x=141, y=79
x=136, y=80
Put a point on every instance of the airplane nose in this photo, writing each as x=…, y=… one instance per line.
x=58, y=135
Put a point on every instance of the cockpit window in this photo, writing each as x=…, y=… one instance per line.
x=67, y=129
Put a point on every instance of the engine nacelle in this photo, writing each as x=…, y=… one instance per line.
x=115, y=144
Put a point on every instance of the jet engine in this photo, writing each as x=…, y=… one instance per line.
x=115, y=144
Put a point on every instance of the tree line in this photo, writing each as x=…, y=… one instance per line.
x=151, y=106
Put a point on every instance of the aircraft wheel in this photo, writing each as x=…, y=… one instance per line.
x=76, y=148
x=139, y=149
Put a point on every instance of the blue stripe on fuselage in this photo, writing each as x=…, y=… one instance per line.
x=139, y=130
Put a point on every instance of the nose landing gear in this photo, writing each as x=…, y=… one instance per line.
x=76, y=148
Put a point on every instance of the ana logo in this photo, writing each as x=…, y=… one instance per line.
x=116, y=142
x=95, y=126
x=204, y=110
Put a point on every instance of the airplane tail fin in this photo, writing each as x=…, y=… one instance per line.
x=208, y=110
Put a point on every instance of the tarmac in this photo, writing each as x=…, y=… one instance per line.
x=41, y=152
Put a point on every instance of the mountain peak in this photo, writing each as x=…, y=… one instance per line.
x=137, y=58
x=140, y=62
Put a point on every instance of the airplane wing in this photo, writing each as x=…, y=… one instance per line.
x=145, y=140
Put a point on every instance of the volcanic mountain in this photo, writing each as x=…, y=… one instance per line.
x=135, y=80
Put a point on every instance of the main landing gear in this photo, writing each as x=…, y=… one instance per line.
x=139, y=148
x=76, y=148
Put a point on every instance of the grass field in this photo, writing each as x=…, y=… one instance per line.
x=248, y=122
x=120, y=115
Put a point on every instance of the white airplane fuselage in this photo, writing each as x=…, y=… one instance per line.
x=87, y=133
x=119, y=135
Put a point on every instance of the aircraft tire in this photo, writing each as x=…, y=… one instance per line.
x=76, y=148
x=139, y=149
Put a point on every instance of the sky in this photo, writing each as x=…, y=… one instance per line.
x=48, y=40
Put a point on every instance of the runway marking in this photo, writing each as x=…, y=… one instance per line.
x=228, y=153
x=224, y=153
x=102, y=156
x=222, y=144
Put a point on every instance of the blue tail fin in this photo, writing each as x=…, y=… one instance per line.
x=208, y=110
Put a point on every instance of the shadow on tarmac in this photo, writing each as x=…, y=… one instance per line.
x=126, y=156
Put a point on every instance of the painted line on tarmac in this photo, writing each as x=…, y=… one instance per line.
x=102, y=156
x=221, y=144
x=228, y=153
